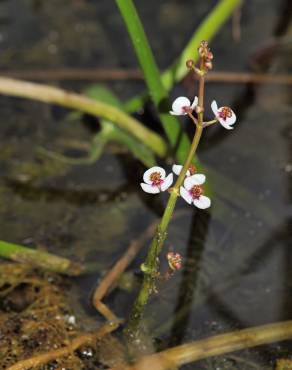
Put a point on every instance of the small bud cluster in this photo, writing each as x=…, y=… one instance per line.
x=206, y=55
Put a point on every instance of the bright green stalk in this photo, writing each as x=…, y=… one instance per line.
x=206, y=31
x=153, y=80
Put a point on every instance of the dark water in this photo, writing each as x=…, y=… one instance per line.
x=237, y=257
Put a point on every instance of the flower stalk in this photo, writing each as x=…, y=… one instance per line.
x=151, y=265
x=187, y=185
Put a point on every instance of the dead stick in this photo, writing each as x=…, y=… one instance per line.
x=75, y=74
x=119, y=267
x=79, y=74
x=71, y=347
x=214, y=346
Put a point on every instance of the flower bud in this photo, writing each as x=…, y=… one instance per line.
x=203, y=49
x=209, y=56
x=174, y=261
x=208, y=65
x=190, y=63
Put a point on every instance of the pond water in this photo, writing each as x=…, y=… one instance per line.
x=237, y=256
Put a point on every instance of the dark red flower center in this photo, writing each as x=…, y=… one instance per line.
x=156, y=179
x=225, y=113
x=196, y=191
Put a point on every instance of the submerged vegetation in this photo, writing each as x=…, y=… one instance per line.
x=44, y=328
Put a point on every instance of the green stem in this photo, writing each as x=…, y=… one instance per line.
x=150, y=268
x=41, y=259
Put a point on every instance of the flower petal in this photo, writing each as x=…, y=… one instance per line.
x=195, y=102
x=176, y=169
x=191, y=181
x=203, y=202
x=231, y=120
x=186, y=195
x=225, y=124
x=199, y=178
x=148, y=173
x=149, y=188
x=167, y=182
x=179, y=103
x=176, y=114
x=214, y=107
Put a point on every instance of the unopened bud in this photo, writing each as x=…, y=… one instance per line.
x=174, y=261
x=208, y=65
x=203, y=48
x=210, y=55
x=190, y=63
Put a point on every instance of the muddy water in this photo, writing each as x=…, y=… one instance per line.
x=237, y=256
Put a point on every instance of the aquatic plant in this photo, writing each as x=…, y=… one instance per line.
x=188, y=184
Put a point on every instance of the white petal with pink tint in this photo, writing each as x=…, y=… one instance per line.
x=226, y=123
x=167, y=182
x=191, y=181
x=214, y=107
x=180, y=103
x=186, y=195
x=195, y=102
x=150, y=171
x=149, y=188
x=176, y=169
x=203, y=202
x=198, y=178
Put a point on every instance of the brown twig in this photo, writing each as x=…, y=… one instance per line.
x=75, y=74
x=214, y=346
x=79, y=74
x=245, y=77
x=119, y=267
x=71, y=347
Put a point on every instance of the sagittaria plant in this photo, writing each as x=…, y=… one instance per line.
x=188, y=184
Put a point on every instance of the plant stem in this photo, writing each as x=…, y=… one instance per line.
x=150, y=267
x=67, y=99
x=40, y=259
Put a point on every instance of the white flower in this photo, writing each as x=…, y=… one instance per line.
x=192, y=192
x=225, y=115
x=176, y=168
x=155, y=180
x=182, y=106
